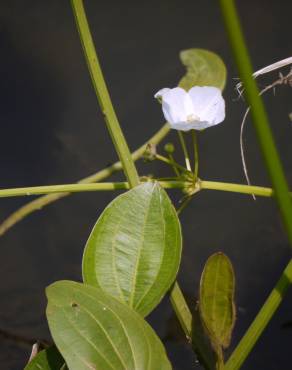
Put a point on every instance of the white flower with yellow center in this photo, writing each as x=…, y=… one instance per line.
x=199, y=108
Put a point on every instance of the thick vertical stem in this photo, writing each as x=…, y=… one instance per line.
x=274, y=167
x=259, y=116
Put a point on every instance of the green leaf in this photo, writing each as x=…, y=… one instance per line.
x=94, y=331
x=204, y=68
x=134, y=250
x=47, y=359
x=208, y=356
x=216, y=302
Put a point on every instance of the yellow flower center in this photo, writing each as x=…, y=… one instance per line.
x=192, y=117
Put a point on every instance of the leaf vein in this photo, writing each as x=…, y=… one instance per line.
x=120, y=321
x=106, y=334
x=134, y=279
x=87, y=340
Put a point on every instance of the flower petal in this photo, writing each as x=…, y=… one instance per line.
x=194, y=125
x=200, y=125
x=182, y=126
x=160, y=93
x=208, y=104
x=176, y=105
x=215, y=113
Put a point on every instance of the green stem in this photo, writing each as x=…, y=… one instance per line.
x=74, y=188
x=258, y=113
x=275, y=170
x=196, y=154
x=171, y=178
x=188, y=322
x=45, y=200
x=184, y=203
x=104, y=99
x=109, y=186
x=103, y=94
x=109, y=113
x=185, y=150
x=170, y=162
x=181, y=309
x=236, y=188
x=260, y=322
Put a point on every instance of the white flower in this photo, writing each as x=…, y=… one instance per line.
x=199, y=108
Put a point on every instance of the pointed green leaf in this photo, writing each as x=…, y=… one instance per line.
x=133, y=252
x=94, y=331
x=47, y=359
x=216, y=303
x=204, y=68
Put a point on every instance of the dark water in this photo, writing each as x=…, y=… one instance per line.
x=53, y=132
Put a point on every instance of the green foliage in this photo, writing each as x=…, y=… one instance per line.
x=47, y=359
x=93, y=330
x=204, y=68
x=133, y=252
x=216, y=302
x=202, y=345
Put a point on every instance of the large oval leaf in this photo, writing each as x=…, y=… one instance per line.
x=204, y=68
x=47, y=359
x=94, y=331
x=133, y=252
x=216, y=302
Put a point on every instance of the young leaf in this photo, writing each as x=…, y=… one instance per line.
x=134, y=250
x=216, y=302
x=204, y=68
x=94, y=331
x=47, y=359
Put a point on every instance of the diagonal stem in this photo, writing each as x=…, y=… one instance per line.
x=186, y=318
x=171, y=162
x=45, y=200
x=261, y=321
x=260, y=119
x=181, y=309
x=102, y=94
x=275, y=170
